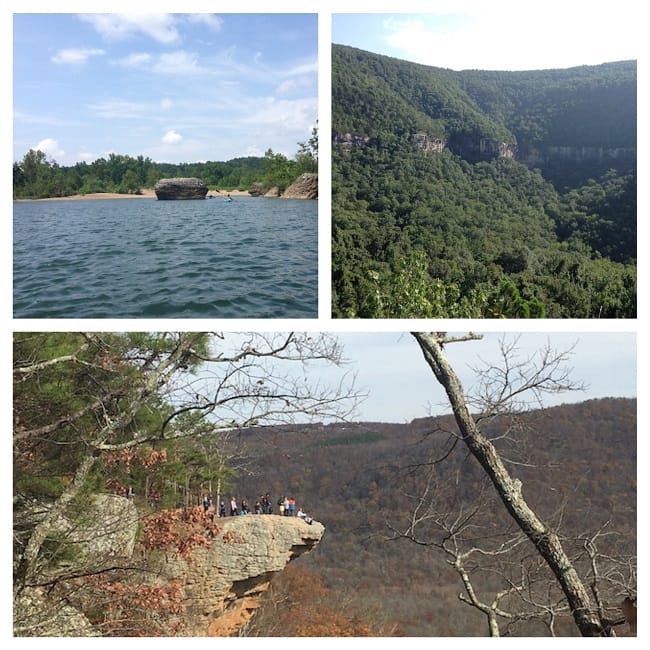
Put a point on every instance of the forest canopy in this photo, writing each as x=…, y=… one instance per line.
x=482, y=194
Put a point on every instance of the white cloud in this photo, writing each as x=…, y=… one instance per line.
x=179, y=62
x=296, y=84
x=504, y=41
x=135, y=60
x=75, y=55
x=210, y=20
x=166, y=103
x=50, y=147
x=160, y=27
x=304, y=68
x=116, y=109
x=171, y=137
x=297, y=114
x=299, y=78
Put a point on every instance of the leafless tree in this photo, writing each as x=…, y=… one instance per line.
x=520, y=590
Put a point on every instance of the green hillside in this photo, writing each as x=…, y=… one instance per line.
x=482, y=194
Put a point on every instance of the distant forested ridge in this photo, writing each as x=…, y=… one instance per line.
x=580, y=472
x=482, y=194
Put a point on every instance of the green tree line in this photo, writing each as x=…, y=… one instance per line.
x=37, y=176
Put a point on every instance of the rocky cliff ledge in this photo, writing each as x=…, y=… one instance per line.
x=304, y=187
x=168, y=189
x=223, y=584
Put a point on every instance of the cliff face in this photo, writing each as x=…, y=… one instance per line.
x=477, y=149
x=223, y=584
x=304, y=187
x=613, y=156
x=470, y=149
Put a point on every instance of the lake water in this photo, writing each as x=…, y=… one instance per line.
x=143, y=258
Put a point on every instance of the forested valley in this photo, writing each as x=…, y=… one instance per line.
x=482, y=194
x=166, y=419
x=364, y=481
x=36, y=176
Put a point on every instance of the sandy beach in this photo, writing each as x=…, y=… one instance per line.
x=146, y=194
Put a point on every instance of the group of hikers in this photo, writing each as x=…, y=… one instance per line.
x=262, y=506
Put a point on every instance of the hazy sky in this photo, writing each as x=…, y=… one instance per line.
x=172, y=87
x=401, y=386
x=497, y=35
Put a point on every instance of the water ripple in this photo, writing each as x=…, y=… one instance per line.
x=254, y=258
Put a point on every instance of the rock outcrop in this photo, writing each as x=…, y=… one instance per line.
x=36, y=615
x=257, y=189
x=106, y=529
x=304, y=187
x=168, y=189
x=273, y=193
x=223, y=584
x=349, y=141
x=102, y=534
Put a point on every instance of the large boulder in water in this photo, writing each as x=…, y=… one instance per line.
x=168, y=189
x=257, y=189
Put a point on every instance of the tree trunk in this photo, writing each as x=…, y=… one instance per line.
x=546, y=541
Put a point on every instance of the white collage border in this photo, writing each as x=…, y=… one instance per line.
x=324, y=9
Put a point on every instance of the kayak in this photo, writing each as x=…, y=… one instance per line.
x=227, y=200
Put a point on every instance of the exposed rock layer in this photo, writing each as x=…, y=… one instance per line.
x=474, y=150
x=223, y=584
x=168, y=189
x=304, y=187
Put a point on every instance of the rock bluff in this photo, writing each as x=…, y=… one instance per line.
x=304, y=187
x=221, y=585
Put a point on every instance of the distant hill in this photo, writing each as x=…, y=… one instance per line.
x=482, y=194
x=578, y=466
x=586, y=107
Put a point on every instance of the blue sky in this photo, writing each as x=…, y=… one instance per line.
x=171, y=87
x=498, y=35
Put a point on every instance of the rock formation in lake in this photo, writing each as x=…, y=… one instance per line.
x=168, y=189
x=304, y=187
x=221, y=584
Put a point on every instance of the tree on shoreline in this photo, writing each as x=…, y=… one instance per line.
x=37, y=176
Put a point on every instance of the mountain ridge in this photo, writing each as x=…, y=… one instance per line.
x=577, y=463
x=446, y=96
